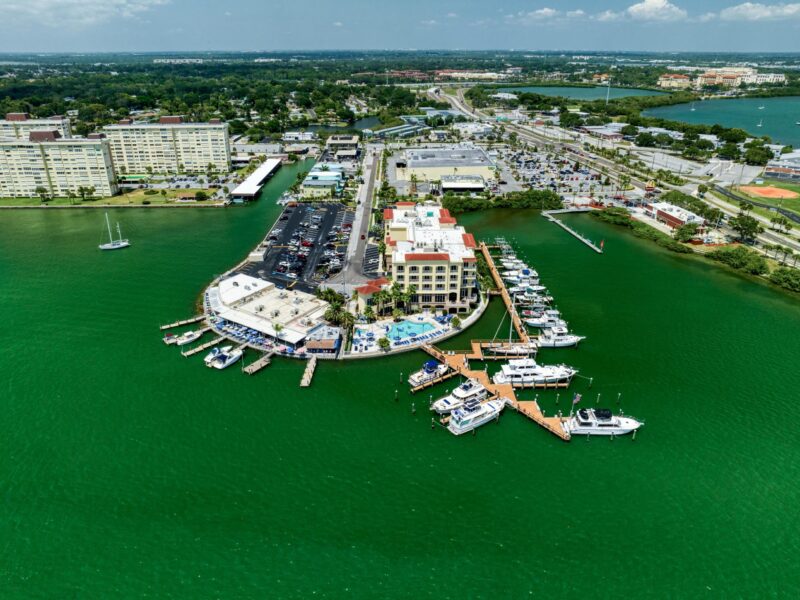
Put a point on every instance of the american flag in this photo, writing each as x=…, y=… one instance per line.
x=576, y=399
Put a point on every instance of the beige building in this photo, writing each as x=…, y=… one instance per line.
x=673, y=81
x=19, y=125
x=169, y=146
x=427, y=249
x=60, y=166
x=431, y=164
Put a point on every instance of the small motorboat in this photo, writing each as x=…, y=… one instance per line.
x=430, y=371
x=474, y=414
x=188, y=338
x=216, y=353
x=600, y=421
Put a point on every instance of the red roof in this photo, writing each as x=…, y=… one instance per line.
x=372, y=286
x=443, y=212
x=406, y=204
x=469, y=240
x=388, y=214
x=447, y=220
x=428, y=256
x=469, y=259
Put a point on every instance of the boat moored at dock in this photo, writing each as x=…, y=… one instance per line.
x=430, y=371
x=170, y=339
x=469, y=390
x=215, y=353
x=600, y=421
x=474, y=414
x=559, y=337
x=188, y=338
x=526, y=372
x=226, y=358
x=545, y=318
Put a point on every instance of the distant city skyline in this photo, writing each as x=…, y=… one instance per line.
x=197, y=25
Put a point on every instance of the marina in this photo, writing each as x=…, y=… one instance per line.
x=549, y=216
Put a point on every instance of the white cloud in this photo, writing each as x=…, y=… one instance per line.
x=338, y=24
x=430, y=22
x=541, y=14
x=655, y=10
x=452, y=15
x=707, y=17
x=755, y=11
x=76, y=13
x=575, y=14
x=609, y=15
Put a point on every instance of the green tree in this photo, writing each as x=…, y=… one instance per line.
x=200, y=196
x=686, y=232
x=456, y=322
x=746, y=226
x=702, y=189
x=43, y=194
x=384, y=344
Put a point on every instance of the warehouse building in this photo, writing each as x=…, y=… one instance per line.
x=431, y=164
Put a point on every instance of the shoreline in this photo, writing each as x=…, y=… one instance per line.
x=108, y=206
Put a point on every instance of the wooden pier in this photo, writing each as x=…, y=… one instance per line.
x=202, y=347
x=196, y=319
x=549, y=216
x=259, y=364
x=519, y=326
x=311, y=367
x=459, y=362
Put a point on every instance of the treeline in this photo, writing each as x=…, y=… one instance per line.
x=621, y=217
x=536, y=199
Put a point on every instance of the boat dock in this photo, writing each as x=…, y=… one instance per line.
x=549, y=216
x=311, y=367
x=457, y=361
x=196, y=319
x=259, y=364
x=202, y=347
x=519, y=326
x=480, y=347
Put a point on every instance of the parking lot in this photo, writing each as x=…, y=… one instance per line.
x=543, y=171
x=307, y=245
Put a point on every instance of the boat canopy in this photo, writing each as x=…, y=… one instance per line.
x=431, y=366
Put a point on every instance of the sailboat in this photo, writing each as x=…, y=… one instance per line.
x=761, y=107
x=692, y=108
x=760, y=123
x=112, y=243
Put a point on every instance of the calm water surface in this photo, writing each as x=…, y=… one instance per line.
x=778, y=118
x=127, y=470
x=582, y=93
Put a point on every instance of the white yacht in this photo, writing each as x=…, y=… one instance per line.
x=215, y=354
x=474, y=414
x=187, y=338
x=545, y=318
x=113, y=244
x=170, y=338
x=519, y=274
x=430, y=371
x=470, y=390
x=600, y=421
x=558, y=337
x=524, y=372
x=226, y=359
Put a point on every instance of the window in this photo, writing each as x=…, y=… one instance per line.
x=439, y=299
x=441, y=269
x=413, y=269
x=426, y=269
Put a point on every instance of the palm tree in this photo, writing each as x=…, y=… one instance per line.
x=347, y=320
x=42, y=193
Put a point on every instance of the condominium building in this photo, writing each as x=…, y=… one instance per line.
x=59, y=166
x=169, y=146
x=19, y=126
x=427, y=249
x=674, y=81
x=764, y=79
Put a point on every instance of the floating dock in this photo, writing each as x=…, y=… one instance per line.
x=431, y=382
x=549, y=216
x=196, y=319
x=311, y=367
x=202, y=347
x=519, y=326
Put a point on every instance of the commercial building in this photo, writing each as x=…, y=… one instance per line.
x=787, y=167
x=59, y=166
x=764, y=79
x=476, y=130
x=19, y=125
x=300, y=136
x=323, y=181
x=427, y=249
x=342, y=146
x=286, y=316
x=169, y=146
x=431, y=164
x=461, y=184
x=671, y=215
x=672, y=81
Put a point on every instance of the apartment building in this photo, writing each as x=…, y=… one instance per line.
x=19, y=125
x=674, y=81
x=59, y=166
x=427, y=249
x=169, y=146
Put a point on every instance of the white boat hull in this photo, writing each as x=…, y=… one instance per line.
x=119, y=245
x=489, y=412
x=626, y=426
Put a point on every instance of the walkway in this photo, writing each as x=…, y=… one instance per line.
x=519, y=326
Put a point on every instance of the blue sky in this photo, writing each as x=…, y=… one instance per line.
x=153, y=25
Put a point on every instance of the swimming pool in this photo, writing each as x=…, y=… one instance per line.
x=408, y=329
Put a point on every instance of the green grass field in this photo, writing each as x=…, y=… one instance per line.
x=136, y=198
x=792, y=204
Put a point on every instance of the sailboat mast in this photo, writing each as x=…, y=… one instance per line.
x=108, y=225
x=119, y=232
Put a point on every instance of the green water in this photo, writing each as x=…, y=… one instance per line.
x=778, y=117
x=129, y=471
x=581, y=93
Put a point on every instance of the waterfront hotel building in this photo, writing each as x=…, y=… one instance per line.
x=45, y=160
x=169, y=146
x=19, y=126
x=427, y=249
